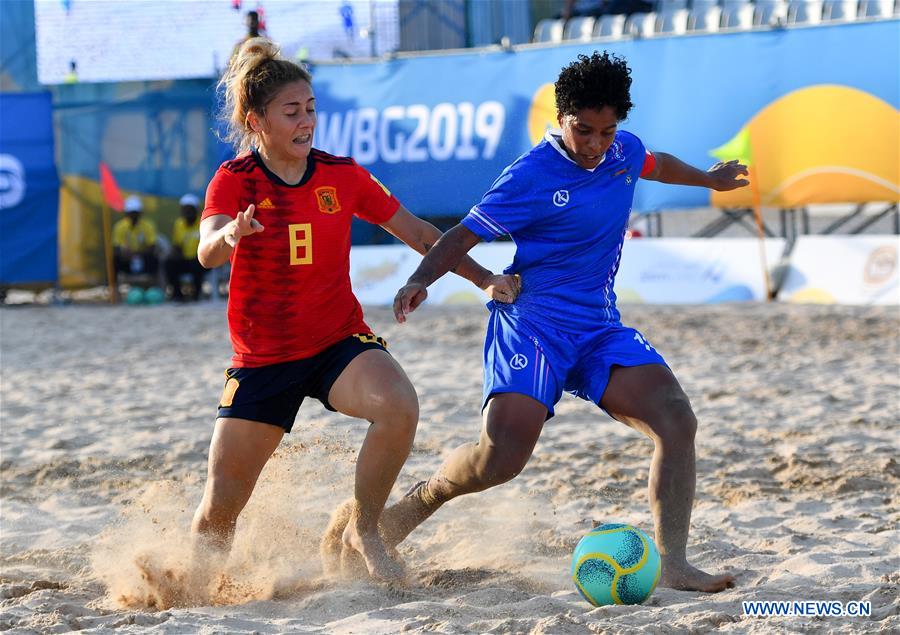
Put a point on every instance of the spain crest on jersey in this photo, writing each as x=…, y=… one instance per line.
x=328, y=200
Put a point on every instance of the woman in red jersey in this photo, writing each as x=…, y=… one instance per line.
x=296, y=327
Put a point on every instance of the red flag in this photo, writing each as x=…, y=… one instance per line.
x=111, y=192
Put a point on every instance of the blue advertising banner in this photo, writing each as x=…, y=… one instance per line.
x=29, y=190
x=438, y=129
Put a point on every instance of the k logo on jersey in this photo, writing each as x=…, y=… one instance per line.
x=328, y=200
x=561, y=198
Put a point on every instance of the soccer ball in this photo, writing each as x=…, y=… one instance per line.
x=135, y=296
x=154, y=295
x=615, y=564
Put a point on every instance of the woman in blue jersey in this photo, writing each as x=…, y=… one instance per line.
x=566, y=204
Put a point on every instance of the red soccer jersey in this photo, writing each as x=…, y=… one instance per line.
x=290, y=295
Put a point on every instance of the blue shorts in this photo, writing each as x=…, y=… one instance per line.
x=542, y=362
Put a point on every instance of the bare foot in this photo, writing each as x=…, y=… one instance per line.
x=166, y=588
x=370, y=546
x=397, y=522
x=332, y=543
x=685, y=577
x=401, y=518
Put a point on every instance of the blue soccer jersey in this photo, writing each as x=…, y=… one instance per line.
x=568, y=224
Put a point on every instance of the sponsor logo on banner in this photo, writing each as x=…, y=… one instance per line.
x=880, y=265
x=414, y=133
x=12, y=181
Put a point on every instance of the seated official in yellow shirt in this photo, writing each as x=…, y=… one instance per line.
x=183, y=258
x=134, y=241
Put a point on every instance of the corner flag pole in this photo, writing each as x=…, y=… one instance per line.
x=112, y=198
x=760, y=231
x=741, y=149
x=108, y=251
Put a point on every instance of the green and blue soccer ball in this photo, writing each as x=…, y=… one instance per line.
x=616, y=564
x=134, y=296
x=154, y=295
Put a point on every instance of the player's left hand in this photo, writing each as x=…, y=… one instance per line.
x=724, y=176
x=408, y=298
x=503, y=288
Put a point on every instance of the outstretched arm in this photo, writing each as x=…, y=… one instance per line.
x=424, y=237
x=722, y=176
x=447, y=253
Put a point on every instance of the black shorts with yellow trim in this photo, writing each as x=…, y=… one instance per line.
x=272, y=394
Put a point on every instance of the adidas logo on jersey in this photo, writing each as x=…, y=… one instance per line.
x=266, y=204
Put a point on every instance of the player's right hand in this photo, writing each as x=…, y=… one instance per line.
x=407, y=299
x=243, y=225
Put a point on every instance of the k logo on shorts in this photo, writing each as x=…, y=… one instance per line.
x=518, y=362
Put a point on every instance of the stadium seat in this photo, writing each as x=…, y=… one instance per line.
x=705, y=20
x=640, y=25
x=670, y=5
x=579, y=29
x=703, y=4
x=737, y=16
x=769, y=13
x=839, y=10
x=610, y=26
x=548, y=31
x=804, y=12
x=875, y=8
x=672, y=21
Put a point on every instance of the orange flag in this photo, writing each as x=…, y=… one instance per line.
x=111, y=192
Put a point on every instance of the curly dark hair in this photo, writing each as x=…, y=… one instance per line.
x=595, y=82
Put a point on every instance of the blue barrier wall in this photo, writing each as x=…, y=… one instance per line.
x=438, y=129
x=29, y=190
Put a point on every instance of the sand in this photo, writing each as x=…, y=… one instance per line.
x=107, y=412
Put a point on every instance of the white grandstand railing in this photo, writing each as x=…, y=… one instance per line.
x=641, y=25
x=804, y=12
x=876, y=8
x=839, y=10
x=581, y=28
x=672, y=22
x=705, y=20
x=610, y=26
x=770, y=13
x=681, y=17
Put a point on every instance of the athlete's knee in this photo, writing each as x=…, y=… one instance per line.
x=505, y=467
x=397, y=404
x=675, y=424
x=401, y=415
x=501, y=463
